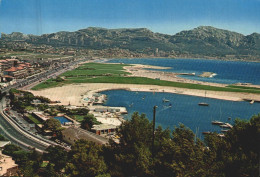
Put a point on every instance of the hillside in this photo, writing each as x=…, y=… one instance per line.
x=201, y=41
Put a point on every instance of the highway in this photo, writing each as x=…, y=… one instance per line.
x=10, y=129
x=15, y=136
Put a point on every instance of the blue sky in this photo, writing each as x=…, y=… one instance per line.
x=164, y=16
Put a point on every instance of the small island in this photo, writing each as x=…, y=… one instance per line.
x=208, y=74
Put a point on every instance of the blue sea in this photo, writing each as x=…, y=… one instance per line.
x=184, y=109
x=228, y=72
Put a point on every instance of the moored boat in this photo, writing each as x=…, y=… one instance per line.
x=165, y=100
x=215, y=122
x=203, y=104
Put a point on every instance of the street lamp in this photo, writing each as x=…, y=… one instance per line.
x=154, y=112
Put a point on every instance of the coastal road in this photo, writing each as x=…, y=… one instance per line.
x=13, y=132
x=18, y=136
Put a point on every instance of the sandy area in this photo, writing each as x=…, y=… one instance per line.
x=139, y=70
x=73, y=94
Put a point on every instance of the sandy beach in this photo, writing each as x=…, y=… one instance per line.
x=74, y=94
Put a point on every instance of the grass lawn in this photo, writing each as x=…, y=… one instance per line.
x=29, y=108
x=78, y=118
x=98, y=70
x=33, y=119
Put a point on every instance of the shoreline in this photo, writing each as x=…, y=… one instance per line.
x=75, y=93
x=190, y=58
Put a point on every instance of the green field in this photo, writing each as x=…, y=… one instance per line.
x=114, y=73
x=96, y=69
x=33, y=119
x=78, y=118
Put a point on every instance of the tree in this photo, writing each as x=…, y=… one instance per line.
x=88, y=122
x=57, y=156
x=86, y=160
x=180, y=155
x=237, y=154
x=132, y=156
x=52, y=124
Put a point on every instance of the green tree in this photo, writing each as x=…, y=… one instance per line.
x=86, y=160
x=180, y=155
x=132, y=156
x=2, y=138
x=237, y=154
x=57, y=156
x=52, y=124
x=88, y=122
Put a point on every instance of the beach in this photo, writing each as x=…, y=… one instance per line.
x=74, y=94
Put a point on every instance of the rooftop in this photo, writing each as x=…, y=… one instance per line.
x=79, y=133
x=103, y=127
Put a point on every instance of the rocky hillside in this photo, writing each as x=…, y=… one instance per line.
x=204, y=40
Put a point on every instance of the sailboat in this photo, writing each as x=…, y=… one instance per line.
x=203, y=103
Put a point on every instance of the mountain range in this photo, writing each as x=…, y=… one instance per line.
x=202, y=41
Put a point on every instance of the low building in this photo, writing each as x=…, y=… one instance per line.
x=8, y=167
x=104, y=129
x=73, y=134
x=41, y=116
x=3, y=144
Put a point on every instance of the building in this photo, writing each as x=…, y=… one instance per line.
x=3, y=144
x=104, y=129
x=7, y=166
x=73, y=134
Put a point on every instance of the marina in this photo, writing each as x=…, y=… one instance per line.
x=175, y=112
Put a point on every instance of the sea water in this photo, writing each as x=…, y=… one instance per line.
x=184, y=109
x=227, y=72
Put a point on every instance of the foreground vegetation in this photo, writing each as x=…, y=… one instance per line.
x=176, y=153
x=113, y=73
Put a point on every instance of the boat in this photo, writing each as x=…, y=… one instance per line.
x=170, y=105
x=215, y=122
x=224, y=130
x=203, y=103
x=165, y=100
x=206, y=133
x=221, y=135
x=131, y=104
x=224, y=126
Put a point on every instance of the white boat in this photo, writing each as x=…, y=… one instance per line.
x=215, y=122
x=203, y=104
x=165, y=100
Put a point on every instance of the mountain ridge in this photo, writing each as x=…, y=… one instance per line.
x=203, y=40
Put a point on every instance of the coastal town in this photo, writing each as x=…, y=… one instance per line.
x=129, y=88
x=63, y=116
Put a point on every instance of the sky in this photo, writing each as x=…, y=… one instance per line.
x=164, y=16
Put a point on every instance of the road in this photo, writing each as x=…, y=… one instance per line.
x=15, y=136
x=13, y=132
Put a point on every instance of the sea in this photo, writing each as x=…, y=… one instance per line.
x=184, y=109
x=227, y=72
x=181, y=109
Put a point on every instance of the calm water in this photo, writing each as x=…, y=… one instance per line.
x=185, y=109
x=228, y=72
x=62, y=120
